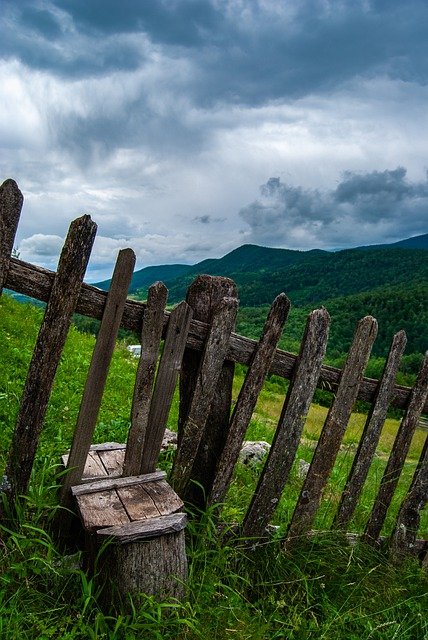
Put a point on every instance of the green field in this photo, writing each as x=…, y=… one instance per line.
x=320, y=589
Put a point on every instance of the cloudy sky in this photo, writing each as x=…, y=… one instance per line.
x=189, y=127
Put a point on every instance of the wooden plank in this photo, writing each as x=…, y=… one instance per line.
x=151, y=335
x=167, y=501
x=11, y=200
x=398, y=455
x=409, y=517
x=97, y=374
x=138, y=504
x=334, y=428
x=290, y=427
x=371, y=434
x=108, y=446
x=101, y=509
x=112, y=461
x=206, y=384
x=47, y=352
x=37, y=282
x=166, y=381
x=248, y=396
x=116, y=483
x=140, y=529
x=204, y=295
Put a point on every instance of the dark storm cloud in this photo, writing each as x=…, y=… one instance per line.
x=362, y=206
x=246, y=54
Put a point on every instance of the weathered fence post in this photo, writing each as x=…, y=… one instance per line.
x=203, y=296
x=334, y=428
x=97, y=374
x=192, y=446
x=290, y=427
x=46, y=356
x=256, y=374
x=371, y=434
x=409, y=516
x=11, y=200
x=398, y=455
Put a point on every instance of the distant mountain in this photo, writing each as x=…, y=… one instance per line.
x=308, y=277
x=417, y=242
x=145, y=277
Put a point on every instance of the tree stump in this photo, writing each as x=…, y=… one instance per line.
x=134, y=536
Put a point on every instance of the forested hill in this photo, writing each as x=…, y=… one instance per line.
x=389, y=282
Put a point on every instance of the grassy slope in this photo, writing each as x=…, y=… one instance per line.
x=321, y=590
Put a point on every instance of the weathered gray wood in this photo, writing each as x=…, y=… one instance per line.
x=204, y=295
x=97, y=374
x=371, y=434
x=101, y=509
x=248, y=395
x=166, y=381
x=166, y=500
x=37, y=282
x=151, y=335
x=140, y=529
x=137, y=502
x=334, y=428
x=409, y=517
x=290, y=427
x=398, y=455
x=206, y=384
x=112, y=461
x=47, y=353
x=151, y=562
x=11, y=200
x=107, y=484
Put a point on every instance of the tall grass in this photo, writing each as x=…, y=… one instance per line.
x=321, y=588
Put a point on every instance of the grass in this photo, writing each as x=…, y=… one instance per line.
x=321, y=588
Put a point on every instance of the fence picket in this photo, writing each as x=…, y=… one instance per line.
x=166, y=380
x=46, y=355
x=204, y=295
x=206, y=383
x=334, y=428
x=151, y=334
x=97, y=374
x=248, y=395
x=287, y=436
x=371, y=434
x=11, y=200
x=398, y=455
x=408, y=519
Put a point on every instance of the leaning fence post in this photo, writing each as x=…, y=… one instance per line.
x=11, y=200
x=409, y=516
x=398, y=455
x=203, y=296
x=47, y=352
x=97, y=374
x=334, y=428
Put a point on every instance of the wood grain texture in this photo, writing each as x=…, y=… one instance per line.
x=116, y=483
x=11, y=200
x=333, y=429
x=151, y=335
x=290, y=427
x=398, y=455
x=166, y=381
x=409, y=516
x=47, y=352
x=101, y=509
x=248, y=396
x=371, y=434
x=141, y=529
x=206, y=385
x=97, y=374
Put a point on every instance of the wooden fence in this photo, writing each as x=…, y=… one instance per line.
x=201, y=348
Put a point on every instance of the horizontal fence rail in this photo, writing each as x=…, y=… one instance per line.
x=37, y=282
